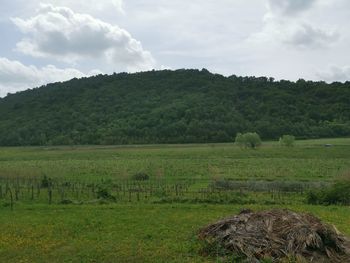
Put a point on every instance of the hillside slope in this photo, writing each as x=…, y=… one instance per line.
x=172, y=107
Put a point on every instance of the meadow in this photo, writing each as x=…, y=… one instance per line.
x=98, y=213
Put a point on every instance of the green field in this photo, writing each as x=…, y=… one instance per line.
x=149, y=230
x=308, y=161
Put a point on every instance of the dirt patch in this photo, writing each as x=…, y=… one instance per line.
x=276, y=235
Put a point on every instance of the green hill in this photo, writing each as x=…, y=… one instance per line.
x=179, y=106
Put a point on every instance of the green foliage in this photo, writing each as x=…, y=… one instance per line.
x=239, y=140
x=140, y=177
x=337, y=194
x=66, y=202
x=287, y=140
x=182, y=106
x=45, y=182
x=248, y=140
x=104, y=194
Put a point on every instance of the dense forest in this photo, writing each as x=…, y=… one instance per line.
x=181, y=106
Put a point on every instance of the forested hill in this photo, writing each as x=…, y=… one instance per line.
x=179, y=106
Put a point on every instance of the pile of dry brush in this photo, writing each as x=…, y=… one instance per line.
x=278, y=235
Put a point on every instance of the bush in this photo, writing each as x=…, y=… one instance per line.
x=248, y=140
x=45, y=182
x=140, y=177
x=287, y=140
x=222, y=184
x=339, y=193
x=104, y=194
x=66, y=202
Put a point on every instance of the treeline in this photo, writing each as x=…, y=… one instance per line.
x=182, y=106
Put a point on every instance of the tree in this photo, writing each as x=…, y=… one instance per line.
x=239, y=139
x=248, y=140
x=182, y=106
x=287, y=140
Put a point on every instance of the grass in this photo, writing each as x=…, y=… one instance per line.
x=120, y=233
x=148, y=232
x=309, y=161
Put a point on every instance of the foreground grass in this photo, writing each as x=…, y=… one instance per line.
x=120, y=233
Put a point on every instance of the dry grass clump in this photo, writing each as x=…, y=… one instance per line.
x=277, y=235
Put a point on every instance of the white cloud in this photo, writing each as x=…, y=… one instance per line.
x=292, y=38
x=295, y=34
x=90, y=5
x=60, y=33
x=287, y=22
x=335, y=73
x=15, y=76
x=306, y=35
x=290, y=7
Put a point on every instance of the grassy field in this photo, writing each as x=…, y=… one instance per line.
x=147, y=231
x=308, y=161
x=120, y=233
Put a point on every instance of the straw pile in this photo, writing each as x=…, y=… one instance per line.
x=277, y=235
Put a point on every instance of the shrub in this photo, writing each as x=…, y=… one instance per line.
x=66, y=202
x=140, y=177
x=248, y=140
x=104, y=194
x=222, y=184
x=45, y=182
x=287, y=140
x=339, y=193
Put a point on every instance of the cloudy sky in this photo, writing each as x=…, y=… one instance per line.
x=44, y=41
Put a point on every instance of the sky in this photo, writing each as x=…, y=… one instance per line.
x=44, y=41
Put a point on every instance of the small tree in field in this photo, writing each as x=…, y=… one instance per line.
x=248, y=140
x=239, y=139
x=287, y=140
